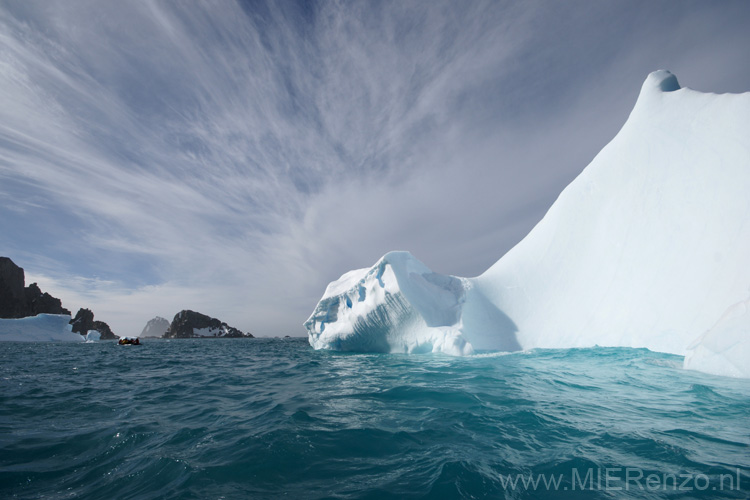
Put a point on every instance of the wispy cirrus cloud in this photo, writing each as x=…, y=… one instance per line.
x=235, y=157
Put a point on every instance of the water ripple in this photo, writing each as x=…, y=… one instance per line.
x=238, y=418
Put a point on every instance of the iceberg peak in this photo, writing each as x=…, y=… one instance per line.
x=661, y=80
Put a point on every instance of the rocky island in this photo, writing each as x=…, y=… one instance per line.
x=191, y=324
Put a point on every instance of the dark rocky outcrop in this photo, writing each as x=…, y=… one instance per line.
x=156, y=327
x=84, y=321
x=191, y=324
x=39, y=302
x=20, y=301
x=105, y=331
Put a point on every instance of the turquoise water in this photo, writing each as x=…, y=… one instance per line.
x=243, y=418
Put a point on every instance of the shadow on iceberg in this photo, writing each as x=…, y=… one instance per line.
x=486, y=326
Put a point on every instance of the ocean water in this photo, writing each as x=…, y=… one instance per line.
x=270, y=418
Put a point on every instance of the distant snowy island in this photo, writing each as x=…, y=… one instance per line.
x=29, y=315
x=647, y=247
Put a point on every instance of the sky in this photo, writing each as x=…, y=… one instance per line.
x=235, y=157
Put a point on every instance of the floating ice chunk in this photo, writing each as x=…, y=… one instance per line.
x=93, y=336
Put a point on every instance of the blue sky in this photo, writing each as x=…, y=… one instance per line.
x=233, y=158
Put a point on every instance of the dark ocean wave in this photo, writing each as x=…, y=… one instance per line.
x=240, y=418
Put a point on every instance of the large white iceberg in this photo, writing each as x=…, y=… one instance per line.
x=647, y=247
x=39, y=328
x=725, y=348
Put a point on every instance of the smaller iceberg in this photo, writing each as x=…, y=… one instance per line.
x=39, y=328
x=400, y=305
x=93, y=336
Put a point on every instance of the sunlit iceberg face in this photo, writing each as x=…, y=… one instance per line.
x=398, y=305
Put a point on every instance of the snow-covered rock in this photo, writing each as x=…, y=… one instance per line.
x=40, y=328
x=191, y=324
x=647, y=247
